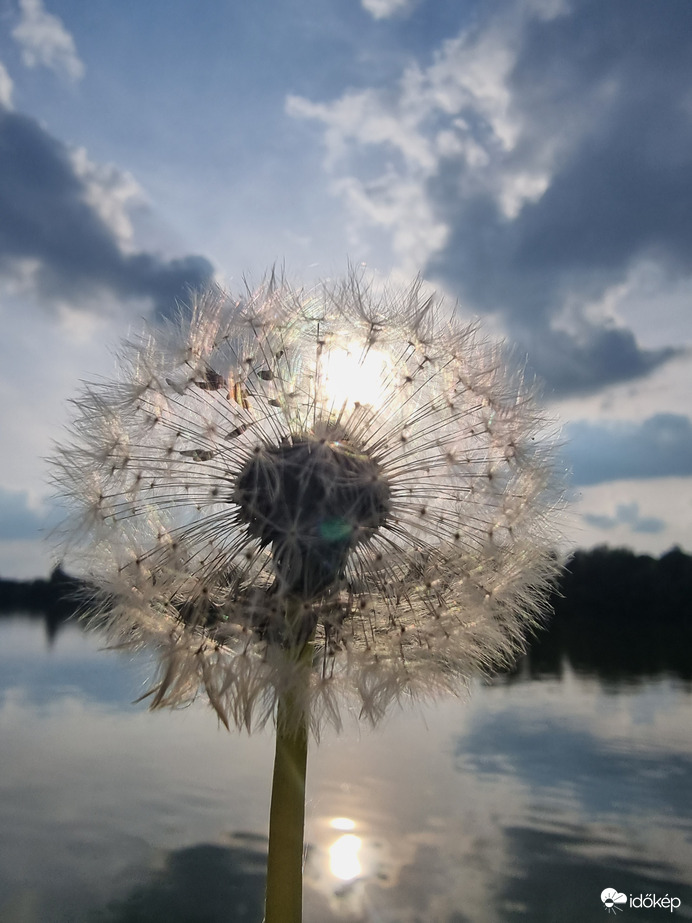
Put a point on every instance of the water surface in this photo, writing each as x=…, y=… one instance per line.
x=521, y=803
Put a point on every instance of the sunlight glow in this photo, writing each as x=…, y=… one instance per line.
x=342, y=823
x=343, y=857
x=351, y=376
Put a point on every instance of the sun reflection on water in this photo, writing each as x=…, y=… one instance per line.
x=343, y=857
x=349, y=857
x=343, y=853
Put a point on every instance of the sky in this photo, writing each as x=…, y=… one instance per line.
x=530, y=159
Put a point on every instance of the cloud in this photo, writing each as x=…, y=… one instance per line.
x=18, y=520
x=540, y=156
x=660, y=446
x=598, y=355
x=6, y=87
x=383, y=9
x=45, y=41
x=626, y=514
x=666, y=500
x=64, y=226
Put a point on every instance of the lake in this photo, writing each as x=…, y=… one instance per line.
x=521, y=802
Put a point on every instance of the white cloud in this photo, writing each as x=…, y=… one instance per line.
x=382, y=203
x=499, y=168
x=45, y=41
x=111, y=192
x=384, y=145
x=383, y=9
x=390, y=197
x=6, y=87
x=369, y=118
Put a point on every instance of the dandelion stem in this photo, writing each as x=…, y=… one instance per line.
x=284, y=896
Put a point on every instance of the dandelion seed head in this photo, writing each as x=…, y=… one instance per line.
x=359, y=472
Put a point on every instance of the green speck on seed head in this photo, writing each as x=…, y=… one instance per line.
x=335, y=530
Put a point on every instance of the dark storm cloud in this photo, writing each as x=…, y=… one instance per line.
x=604, y=96
x=45, y=216
x=623, y=69
x=600, y=356
x=659, y=447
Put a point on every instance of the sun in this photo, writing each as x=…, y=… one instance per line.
x=354, y=374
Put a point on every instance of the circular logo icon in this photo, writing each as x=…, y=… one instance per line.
x=611, y=898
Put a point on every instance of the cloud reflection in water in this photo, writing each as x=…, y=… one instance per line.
x=522, y=803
